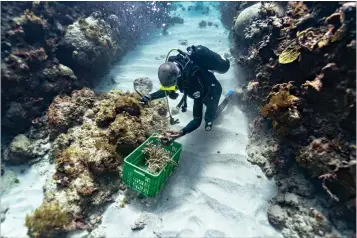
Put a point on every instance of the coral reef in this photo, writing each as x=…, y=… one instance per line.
x=88, y=155
x=52, y=48
x=299, y=94
x=31, y=74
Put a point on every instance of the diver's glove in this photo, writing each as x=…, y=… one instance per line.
x=145, y=99
x=173, y=95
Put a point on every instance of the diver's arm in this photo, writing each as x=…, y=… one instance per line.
x=156, y=95
x=197, y=117
x=161, y=94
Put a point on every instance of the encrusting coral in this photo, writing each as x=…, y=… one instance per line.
x=65, y=112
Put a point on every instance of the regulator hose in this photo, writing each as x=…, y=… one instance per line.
x=172, y=120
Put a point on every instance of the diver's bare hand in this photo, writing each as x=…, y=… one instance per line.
x=174, y=134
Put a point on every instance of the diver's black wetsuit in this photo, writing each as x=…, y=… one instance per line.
x=200, y=85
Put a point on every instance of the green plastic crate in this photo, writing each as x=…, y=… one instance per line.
x=136, y=175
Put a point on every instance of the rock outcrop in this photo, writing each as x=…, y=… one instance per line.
x=19, y=151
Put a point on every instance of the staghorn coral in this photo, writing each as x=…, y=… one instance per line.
x=156, y=158
x=47, y=220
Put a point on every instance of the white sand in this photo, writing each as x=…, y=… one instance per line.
x=23, y=198
x=210, y=194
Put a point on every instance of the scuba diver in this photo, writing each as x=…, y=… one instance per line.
x=192, y=74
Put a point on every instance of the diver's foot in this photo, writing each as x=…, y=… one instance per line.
x=229, y=94
x=208, y=126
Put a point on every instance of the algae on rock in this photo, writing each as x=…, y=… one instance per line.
x=46, y=220
x=19, y=150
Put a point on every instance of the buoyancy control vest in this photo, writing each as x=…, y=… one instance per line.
x=198, y=58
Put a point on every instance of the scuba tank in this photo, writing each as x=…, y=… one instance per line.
x=206, y=59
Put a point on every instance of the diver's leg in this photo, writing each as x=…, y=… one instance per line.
x=212, y=105
x=223, y=104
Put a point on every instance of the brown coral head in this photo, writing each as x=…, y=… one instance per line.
x=128, y=104
x=108, y=163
